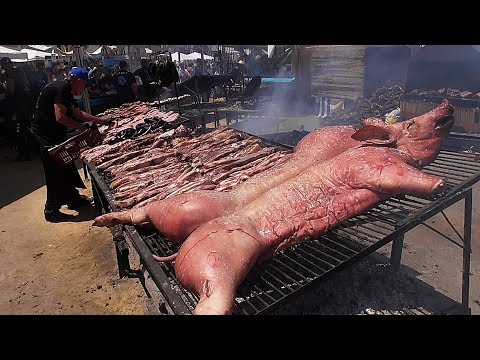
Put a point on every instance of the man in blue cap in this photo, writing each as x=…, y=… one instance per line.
x=55, y=112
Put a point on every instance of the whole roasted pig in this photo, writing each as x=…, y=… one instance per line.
x=217, y=256
x=178, y=216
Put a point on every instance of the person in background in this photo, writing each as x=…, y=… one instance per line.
x=145, y=91
x=18, y=94
x=94, y=76
x=238, y=72
x=99, y=66
x=59, y=72
x=56, y=111
x=106, y=81
x=255, y=66
x=197, y=68
x=125, y=84
x=183, y=73
x=4, y=106
x=5, y=110
x=37, y=80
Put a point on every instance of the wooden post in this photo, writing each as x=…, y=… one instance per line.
x=302, y=69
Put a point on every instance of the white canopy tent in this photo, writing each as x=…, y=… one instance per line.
x=192, y=56
x=196, y=55
x=35, y=54
x=183, y=56
x=15, y=55
x=52, y=49
x=45, y=48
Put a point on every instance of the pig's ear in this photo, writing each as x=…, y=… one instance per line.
x=373, y=135
x=373, y=122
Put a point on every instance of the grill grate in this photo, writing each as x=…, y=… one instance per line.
x=278, y=279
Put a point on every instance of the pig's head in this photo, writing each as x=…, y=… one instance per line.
x=421, y=137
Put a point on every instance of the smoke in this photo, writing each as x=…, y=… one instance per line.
x=279, y=103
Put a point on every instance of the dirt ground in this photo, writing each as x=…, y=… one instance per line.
x=70, y=267
x=55, y=268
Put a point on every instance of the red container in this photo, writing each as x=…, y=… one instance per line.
x=69, y=150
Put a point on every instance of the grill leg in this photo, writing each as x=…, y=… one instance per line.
x=121, y=248
x=217, y=118
x=467, y=239
x=97, y=198
x=396, y=253
x=85, y=172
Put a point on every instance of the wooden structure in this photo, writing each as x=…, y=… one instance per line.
x=352, y=71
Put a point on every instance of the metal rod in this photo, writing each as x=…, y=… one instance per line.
x=359, y=229
x=267, y=272
x=396, y=252
x=359, y=233
x=450, y=176
x=302, y=266
x=415, y=201
x=338, y=244
x=467, y=238
x=304, y=253
x=380, y=215
x=264, y=279
x=404, y=204
x=467, y=164
x=448, y=169
x=323, y=254
x=451, y=225
x=376, y=222
x=324, y=244
x=277, y=260
x=263, y=292
x=442, y=234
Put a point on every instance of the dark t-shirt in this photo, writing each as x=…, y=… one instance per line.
x=44, y=123
x=37, y=80
x=144, y=74
x=105, y=80
x=123, y=81
x=21, y=90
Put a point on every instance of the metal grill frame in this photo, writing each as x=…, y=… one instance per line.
x=344, y=242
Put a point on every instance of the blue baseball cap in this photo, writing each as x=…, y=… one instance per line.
x=79, y=73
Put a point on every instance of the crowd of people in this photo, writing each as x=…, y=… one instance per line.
x=22, y=83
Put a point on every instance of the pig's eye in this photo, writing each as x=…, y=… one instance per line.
x=412, y=128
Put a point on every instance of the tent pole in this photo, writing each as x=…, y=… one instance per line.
x=78, y=50
x=203, y=60
x=175, y=83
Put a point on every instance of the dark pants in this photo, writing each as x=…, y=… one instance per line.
x=61, y=181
